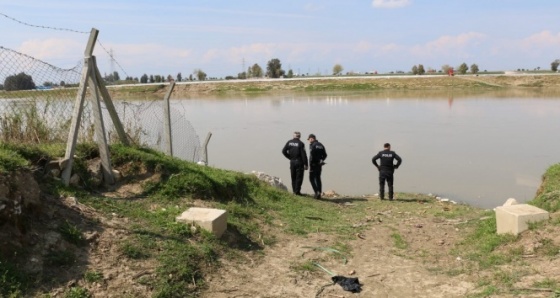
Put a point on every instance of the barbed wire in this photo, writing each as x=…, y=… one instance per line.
x=42, y=27
x=69, y=30
x=112, y=58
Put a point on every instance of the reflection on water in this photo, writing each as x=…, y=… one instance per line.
x=475, y=149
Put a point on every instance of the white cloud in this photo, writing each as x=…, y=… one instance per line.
x=542, y=39
x=449, y=45
x=391, y=3
x=52, y=50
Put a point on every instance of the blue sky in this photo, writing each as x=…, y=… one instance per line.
x=224, y=37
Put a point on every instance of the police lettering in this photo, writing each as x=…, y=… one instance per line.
x=386, y=155
x=294, y=144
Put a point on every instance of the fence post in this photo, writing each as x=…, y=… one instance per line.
x=167, y=117
x=78, y=109
x=205, y=146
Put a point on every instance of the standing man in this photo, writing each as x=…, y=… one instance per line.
x=317, y=156
x=294, y=150
x=386, y=169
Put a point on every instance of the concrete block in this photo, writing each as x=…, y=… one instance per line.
x=212, y=220
x=515, y=219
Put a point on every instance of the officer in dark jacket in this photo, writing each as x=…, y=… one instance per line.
x=317, y=156
x=386, y=169
x=294, y=150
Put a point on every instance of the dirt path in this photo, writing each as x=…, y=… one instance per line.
x=382, y=269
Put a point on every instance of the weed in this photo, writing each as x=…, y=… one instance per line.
x=546, y=283
x=77, y=292
x=399, y=241
x=71, y=233
x=548, y=248
x=11, y=281
x=93, y=276
x=132, y=251
x=60, y=258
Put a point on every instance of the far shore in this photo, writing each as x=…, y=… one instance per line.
x=405, y=85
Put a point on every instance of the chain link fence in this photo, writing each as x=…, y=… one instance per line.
x=37, y=101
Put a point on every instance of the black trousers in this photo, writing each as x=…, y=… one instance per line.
x=385, y=176
x=296, y=170
x=315, y=178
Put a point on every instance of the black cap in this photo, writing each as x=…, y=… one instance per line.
x=311, y=136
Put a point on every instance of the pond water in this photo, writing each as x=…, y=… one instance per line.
x=479, y=150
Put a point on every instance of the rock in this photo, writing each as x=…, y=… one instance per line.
x=271, y=180
x=510, y=201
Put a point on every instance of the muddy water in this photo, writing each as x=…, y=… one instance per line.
x=479, y=150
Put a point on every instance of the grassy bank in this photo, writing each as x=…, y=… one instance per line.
x=173, y=259
x=411, y=85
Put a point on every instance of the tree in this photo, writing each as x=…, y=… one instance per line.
x=445, y=68
x=274, y=69
x=179, y=77
x=463, y=68
x=290, y=74
x=152, y=79
x=200, y=75
x=20, y=81
x=169, y=78
x=242, y=75
x=256, y=71
x=474, y=68
x=421, y=69
x=144, y=79
x=414, y=70
x=337, y=69
x=554, y=65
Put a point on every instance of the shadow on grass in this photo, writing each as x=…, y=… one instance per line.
x=413, y=200
x=343, y=200
x=237, y=240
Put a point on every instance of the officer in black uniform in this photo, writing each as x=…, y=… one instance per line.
x=294, y=150
x=386, y=169
x=317, y=156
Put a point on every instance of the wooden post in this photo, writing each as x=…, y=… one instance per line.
x=167, y=117
x=109, y=104
x=75, y=126
x=78, y=109
x=100, y=135
x=92, y=78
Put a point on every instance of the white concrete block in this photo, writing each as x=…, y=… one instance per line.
x=212, y=220
x=515, y=219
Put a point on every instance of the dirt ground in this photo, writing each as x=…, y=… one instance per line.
x=420, y=270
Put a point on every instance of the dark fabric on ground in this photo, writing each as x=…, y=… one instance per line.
x=351, y=284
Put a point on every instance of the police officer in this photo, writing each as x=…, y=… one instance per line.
x=317, y=156
x=294, y=150
x=386, y=169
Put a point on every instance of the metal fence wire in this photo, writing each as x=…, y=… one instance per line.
x=37, y=101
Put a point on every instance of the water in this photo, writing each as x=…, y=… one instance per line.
x=477, y=150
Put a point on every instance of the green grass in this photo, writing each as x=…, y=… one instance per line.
x=548, y=195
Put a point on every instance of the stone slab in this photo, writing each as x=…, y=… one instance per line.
x=515, y=219
x=212, y=220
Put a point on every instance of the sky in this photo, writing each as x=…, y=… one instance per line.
x=225, y=37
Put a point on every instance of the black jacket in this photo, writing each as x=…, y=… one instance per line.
x=386, y=163
x=294, y=150
x=317, y=153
